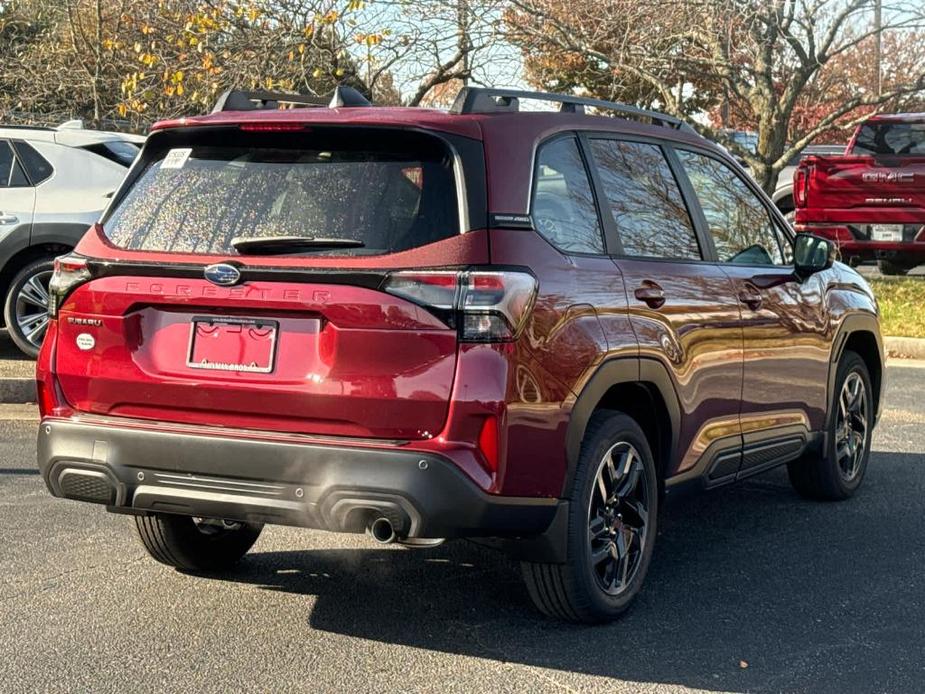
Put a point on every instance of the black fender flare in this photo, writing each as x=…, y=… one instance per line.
x=649, y=372
x=60, y=233
x=850, y=324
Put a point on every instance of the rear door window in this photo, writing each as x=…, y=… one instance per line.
x=563, y=202
x=37, y=167
x=11, y=173
x=741, y=226
x=6, y=163
x=387, y=193
x=645, y=201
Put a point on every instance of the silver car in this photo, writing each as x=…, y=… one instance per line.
x=54, y=182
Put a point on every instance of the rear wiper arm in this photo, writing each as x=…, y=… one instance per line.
x=278, y=245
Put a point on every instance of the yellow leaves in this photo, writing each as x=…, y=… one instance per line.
x=309, y=30
x=369, y=40
x=301, y=49
x=137, y=47
x=339, y=72
x=355, y=5
x=330, y=17
x=122, y=109
x=316, y=72
x=147, y=59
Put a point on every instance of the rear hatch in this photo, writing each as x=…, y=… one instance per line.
x=251, y=278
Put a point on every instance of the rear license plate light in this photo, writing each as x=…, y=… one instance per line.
x=232, y=344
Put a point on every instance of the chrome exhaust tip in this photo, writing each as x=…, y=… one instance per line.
x=382, y=531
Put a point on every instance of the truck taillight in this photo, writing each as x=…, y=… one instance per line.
x=70, y=272
x=483, y=305
x=800, y=186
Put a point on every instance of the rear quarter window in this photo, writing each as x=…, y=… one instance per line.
x=389, y=192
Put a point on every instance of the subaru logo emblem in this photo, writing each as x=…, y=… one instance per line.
x=223, y=274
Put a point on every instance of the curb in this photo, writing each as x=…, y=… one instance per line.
x=904, y=347
x=17, y=390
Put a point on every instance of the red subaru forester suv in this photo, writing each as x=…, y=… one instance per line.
x=527, y=327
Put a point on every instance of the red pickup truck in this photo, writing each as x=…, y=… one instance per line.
x=871, y=200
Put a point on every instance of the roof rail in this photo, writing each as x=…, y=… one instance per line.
x=240, y=100
x=488, y=100
x=18, y=126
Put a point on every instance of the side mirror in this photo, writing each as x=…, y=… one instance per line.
x=812, y=254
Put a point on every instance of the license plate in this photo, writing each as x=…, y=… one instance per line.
x=232, y=344
x=886, y=232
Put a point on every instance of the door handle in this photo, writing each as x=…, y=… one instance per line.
x=651, y=294
x=8, y=218
x=751, y=298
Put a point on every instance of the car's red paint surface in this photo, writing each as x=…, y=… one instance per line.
x=359, y=367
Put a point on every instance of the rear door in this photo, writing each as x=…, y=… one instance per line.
x=17, y=196
x=785, y=327
x=682, y=308
x=207, y=310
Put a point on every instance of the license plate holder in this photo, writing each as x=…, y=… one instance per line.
x=886, y=232
x=245, y=345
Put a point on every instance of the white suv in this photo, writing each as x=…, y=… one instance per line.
x=54, y=182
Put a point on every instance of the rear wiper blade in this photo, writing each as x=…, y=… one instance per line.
x=273, y=245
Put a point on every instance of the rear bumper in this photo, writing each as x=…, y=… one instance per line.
x=341, y=488
x=883, y=250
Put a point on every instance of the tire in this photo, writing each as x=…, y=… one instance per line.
x=837, y=472
x=26, y=306
x=888, y=267
x=582, y=590
x=195, y=545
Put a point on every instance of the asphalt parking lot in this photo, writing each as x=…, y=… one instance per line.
x=811, y=597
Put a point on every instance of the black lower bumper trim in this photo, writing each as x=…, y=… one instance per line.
x=340, y=488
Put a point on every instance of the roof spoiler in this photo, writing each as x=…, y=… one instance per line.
x=240, y=100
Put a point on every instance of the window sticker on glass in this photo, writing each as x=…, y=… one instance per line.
x=176, y=158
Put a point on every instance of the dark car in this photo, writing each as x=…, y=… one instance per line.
x=523, y=327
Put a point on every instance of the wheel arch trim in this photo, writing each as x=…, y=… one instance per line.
x=611, y=373
x=853, y=324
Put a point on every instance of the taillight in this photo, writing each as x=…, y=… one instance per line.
x=70, y=272
x=273, y=127
x=800, y=186
x=488, y=443
x=483, y=305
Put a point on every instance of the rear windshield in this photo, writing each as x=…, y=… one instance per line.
x=119, y=151
x=890, y=138
x=386, y=191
